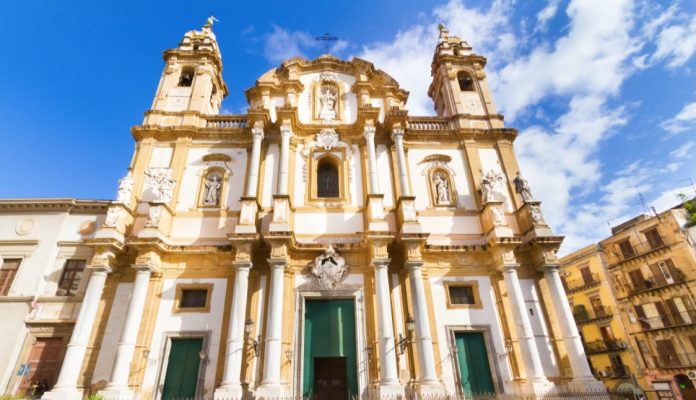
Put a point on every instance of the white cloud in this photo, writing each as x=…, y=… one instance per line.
x=670, y=198
x=683, y=121
x=683, y=151
x=676, y=43
x=546, y=13
x=590, y=59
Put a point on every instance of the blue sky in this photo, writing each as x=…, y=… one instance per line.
x=603, y=92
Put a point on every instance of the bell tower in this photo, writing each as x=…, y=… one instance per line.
x=459, y=86
x=192, y=77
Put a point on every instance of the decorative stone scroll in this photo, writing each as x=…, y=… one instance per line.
x=327, y=138
x=160, y=179
x=125, y=188
x=329, y=269
x=112, y=215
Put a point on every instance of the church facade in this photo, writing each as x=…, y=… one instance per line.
x=327, y=244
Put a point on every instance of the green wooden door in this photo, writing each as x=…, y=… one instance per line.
x=182, y=369
x=329, y=331
x=472, y=356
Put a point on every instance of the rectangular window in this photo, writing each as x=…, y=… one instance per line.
x=193, y=297
x=70, y=279
x=587, y=277
x=654, y=239
x=463, y=295
x=626, y=249
x=8, y=270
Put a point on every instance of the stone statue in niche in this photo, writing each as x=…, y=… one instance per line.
x=212, y=187
x=125, y=187
x=328, y=95
x=329, y=269
x=442, y=190
x=522, y=187
x=488, y=182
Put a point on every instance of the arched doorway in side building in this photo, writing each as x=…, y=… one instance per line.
x=686, y=387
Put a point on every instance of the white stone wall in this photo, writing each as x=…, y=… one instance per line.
x=542, y=338
x=459, y=319
x=170, y=322
x=112, y=334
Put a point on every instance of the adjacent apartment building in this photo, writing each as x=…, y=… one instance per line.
x=641, y=327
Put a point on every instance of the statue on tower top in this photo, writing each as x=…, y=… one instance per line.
x=210, y=21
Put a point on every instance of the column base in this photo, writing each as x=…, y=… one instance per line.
x=540, y=386
x=430, y=389
x=586, y=383
x=393, y=391
x=267, y=392
x=231, y=392
x=116, y=393
x=63, y=394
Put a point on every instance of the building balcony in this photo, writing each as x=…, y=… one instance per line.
x=583, y=316
x=578, y=285
x=657, y=282
x=682, y=360
x=615, y=372
x=605, y=346
x=618, y=257
x=668, y=321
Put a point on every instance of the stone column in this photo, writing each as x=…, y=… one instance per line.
x=117, y=388
x=571, y=336
x=66, y=386
x=270, y=385
x=252, y=183
x=389, y=380
x=424, y=342
x=231, y=386
x=283, y=167
x=398, y=137
x=530, y=353
x=371, y=158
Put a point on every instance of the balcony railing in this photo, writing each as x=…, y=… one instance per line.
x=638, y=250
x=585, y=317
x=429, y=124
x=227, y=121
x=577, y=285
x=657, y=282
x=668, y=320
x=605, y=346
x=682, y=360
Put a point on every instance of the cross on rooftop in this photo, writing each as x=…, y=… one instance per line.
x=327, y=39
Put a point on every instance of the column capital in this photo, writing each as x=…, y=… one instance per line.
x=369, y=131
x=285, y=131
x=277, y=263
x=380, y=263
x=242, y=264
x=257, y=133
x=397, y=134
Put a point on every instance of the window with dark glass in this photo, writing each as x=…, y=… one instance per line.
x=8, y=270
x=626, y=249
x=186, y=77
x=461, y=295
x=327, y=180
x=70, y=278
x=654, y=238
x=193, y=298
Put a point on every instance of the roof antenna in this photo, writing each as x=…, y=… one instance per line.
x=327, y=39
x=642, y=200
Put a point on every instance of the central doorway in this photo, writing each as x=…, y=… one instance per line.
x=329, y=356
x=472, y=358
x=181, y=380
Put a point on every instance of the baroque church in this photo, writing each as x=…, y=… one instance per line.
x=326, y=245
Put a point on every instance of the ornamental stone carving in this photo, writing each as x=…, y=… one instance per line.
x=498, y=216
x=488, y=182
x=160, y=179
x=537, y=216
x=329, y=269
x=154, y=216
x=327, y=138
x=112, y=215
x=125, y=188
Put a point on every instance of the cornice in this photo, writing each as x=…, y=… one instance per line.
x=69, y=205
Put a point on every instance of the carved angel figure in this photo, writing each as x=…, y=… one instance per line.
x=327, y=99
x=441, y=188
x=213, y=185
x=522, y=187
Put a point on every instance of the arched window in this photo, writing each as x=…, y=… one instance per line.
x=186, y=77
x=466, y=83
x=327, y=179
